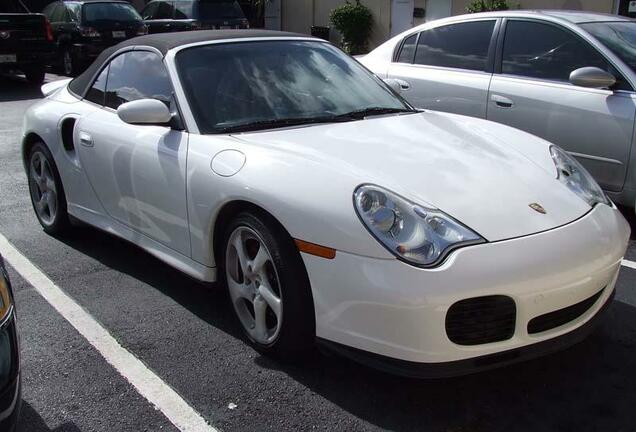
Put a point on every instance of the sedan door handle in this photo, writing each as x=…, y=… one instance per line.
x=502, y=102
x=85, y=139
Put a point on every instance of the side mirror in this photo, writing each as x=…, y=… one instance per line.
x=592, y=77
x=397, y=84
x=145, y=112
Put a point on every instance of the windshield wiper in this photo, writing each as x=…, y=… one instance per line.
x=297, y=121
x=277, y=123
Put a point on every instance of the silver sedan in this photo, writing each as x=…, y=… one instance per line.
x=567, y=77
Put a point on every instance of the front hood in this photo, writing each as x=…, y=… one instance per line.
x=483, y=174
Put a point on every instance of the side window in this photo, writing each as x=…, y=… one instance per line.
x=57, y=15
x=98, y=90
x=550, y=54
x=183, y=10
x=463, y=45
x=137, y=75
x=150, y=11
x=48, y=11
x=74, y=12
x=165, y=10
x=408, y=50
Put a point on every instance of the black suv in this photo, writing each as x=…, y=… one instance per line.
x=83, y=29
x=163, y=16
x=26, y=41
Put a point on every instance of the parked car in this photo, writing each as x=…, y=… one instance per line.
x=26, y=41
x=423, y=242
x=82, y=29
x=564, y=76
x=180, y=15
x=10, y=384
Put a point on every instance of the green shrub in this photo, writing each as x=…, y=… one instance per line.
x=487, y=6
x=353, y=21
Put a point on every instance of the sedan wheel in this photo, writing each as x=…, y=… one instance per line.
x=254, y=285
x=268, y=285
x=45, y=187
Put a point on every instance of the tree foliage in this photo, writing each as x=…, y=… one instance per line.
x=354, y=21
x=487, y=6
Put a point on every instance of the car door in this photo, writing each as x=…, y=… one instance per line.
x=448, y=68
x=137, y=171
x=531, y=91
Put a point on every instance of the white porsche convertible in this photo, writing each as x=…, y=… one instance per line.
x=425, y=243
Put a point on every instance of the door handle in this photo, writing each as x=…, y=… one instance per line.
x=404, y=85
x=85, y=139
x=502, y=102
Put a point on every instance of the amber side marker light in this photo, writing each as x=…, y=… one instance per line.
x=314, y=249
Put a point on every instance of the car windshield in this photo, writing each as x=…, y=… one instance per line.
x=209, y=10
x=12, y=6
x=94, y=12
x=260, y=85
x=618, y=37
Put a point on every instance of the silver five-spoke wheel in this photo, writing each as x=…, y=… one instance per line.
x=43, y=190
x=254, y=285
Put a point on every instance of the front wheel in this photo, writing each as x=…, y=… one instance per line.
x=47, y=193
x=268, y=286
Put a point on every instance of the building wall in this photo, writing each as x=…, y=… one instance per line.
x=300, y=15
x=606, y=6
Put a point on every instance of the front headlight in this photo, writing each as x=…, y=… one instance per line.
x=5, y=296
x=420, y=235
x=572, y=174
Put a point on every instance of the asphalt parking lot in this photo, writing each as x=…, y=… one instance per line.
x=185, y=332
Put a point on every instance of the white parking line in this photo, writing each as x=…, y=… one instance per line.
x=628, y=263
x=147, y=383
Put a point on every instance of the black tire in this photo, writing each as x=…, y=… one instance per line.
x=35, y=75
x=60, y=221
x=297, y=333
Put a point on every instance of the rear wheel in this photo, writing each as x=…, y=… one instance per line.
x=47, y=193
x=268, y=286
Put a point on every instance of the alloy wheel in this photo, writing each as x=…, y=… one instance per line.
x=254, y=285
x=43, y=189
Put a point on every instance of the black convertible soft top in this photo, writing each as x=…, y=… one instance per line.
x=164, y=42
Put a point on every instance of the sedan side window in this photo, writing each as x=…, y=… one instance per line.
x=408, y=50
x=137, y=75
x=463, y=45
x=550, y=54
x=150, y=11
x=165, y=10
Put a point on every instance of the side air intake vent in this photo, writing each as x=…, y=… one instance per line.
x=481, y=320
x=562, y=316
x=68, y=126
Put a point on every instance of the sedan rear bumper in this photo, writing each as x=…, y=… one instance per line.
x=558, y=280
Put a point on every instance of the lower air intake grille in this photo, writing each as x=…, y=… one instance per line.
x=562, y=316
x=481, y=320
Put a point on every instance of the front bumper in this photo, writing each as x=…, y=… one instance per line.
x=393, y=310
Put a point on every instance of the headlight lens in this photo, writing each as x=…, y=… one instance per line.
x=572, y=174
x=420, y=235
x=5, y=296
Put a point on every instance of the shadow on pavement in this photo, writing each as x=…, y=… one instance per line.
x=590, y=386
x=30, y=421
x=14, y=88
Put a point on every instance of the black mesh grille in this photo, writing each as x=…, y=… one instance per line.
x=481, y=320
x=562, y=316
